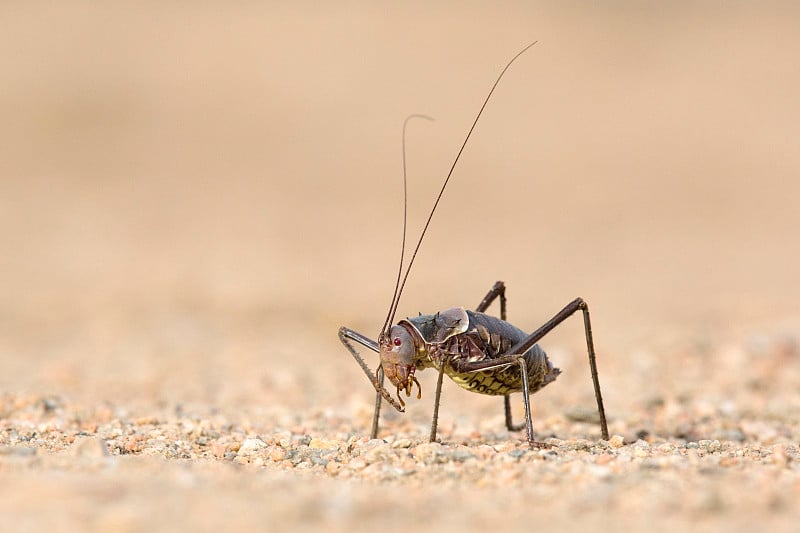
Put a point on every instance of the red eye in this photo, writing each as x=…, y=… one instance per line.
x=397, y=342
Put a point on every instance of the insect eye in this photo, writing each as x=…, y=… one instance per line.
x=397, y=341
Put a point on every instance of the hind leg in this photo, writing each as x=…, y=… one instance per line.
x=533, y=338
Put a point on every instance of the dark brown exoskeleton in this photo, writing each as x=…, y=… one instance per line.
x=479, y=352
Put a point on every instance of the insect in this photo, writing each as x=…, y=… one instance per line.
x=479, y=352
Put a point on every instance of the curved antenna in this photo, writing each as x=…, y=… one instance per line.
x=399, y=292
x=390, y=314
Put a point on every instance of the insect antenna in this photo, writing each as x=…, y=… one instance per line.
x=390, y=314
x=399, y=289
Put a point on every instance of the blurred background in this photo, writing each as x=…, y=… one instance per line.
x=195, y=196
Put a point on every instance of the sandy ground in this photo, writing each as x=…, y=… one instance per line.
x=194, y=198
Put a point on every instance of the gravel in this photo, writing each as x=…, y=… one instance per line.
x=621, y=480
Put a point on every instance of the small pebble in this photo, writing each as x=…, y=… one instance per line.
x=427, y=452
x=357, y=464
x=218, y=450
x=377, y=452
x=332, y=468
x=640, y=451
x=603, y=459
x=90, y=448
x=316, y=460
x=710, y=445
x=779, y=456
x=252, y=445
x=461, y=454
x=324, y=444
x=277, y=454
x=547, y=453
x=666, y=447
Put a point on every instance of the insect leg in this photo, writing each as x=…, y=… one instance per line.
x=435, y=421
x=376, y=414
x=533, y=338
x=526, y=400
x=499, y=290
x=502, y=362
x=346, y=335
x=510, y=425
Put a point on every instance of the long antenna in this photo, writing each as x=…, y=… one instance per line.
x=390, y=314
x=399, y=292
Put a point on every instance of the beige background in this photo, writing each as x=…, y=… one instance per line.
x=195, y=196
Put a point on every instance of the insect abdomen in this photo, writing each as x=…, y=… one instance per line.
x=494, y=337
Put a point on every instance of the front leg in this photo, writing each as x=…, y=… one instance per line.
x=346, y=335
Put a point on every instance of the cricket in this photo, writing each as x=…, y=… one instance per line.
x=479, y=352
